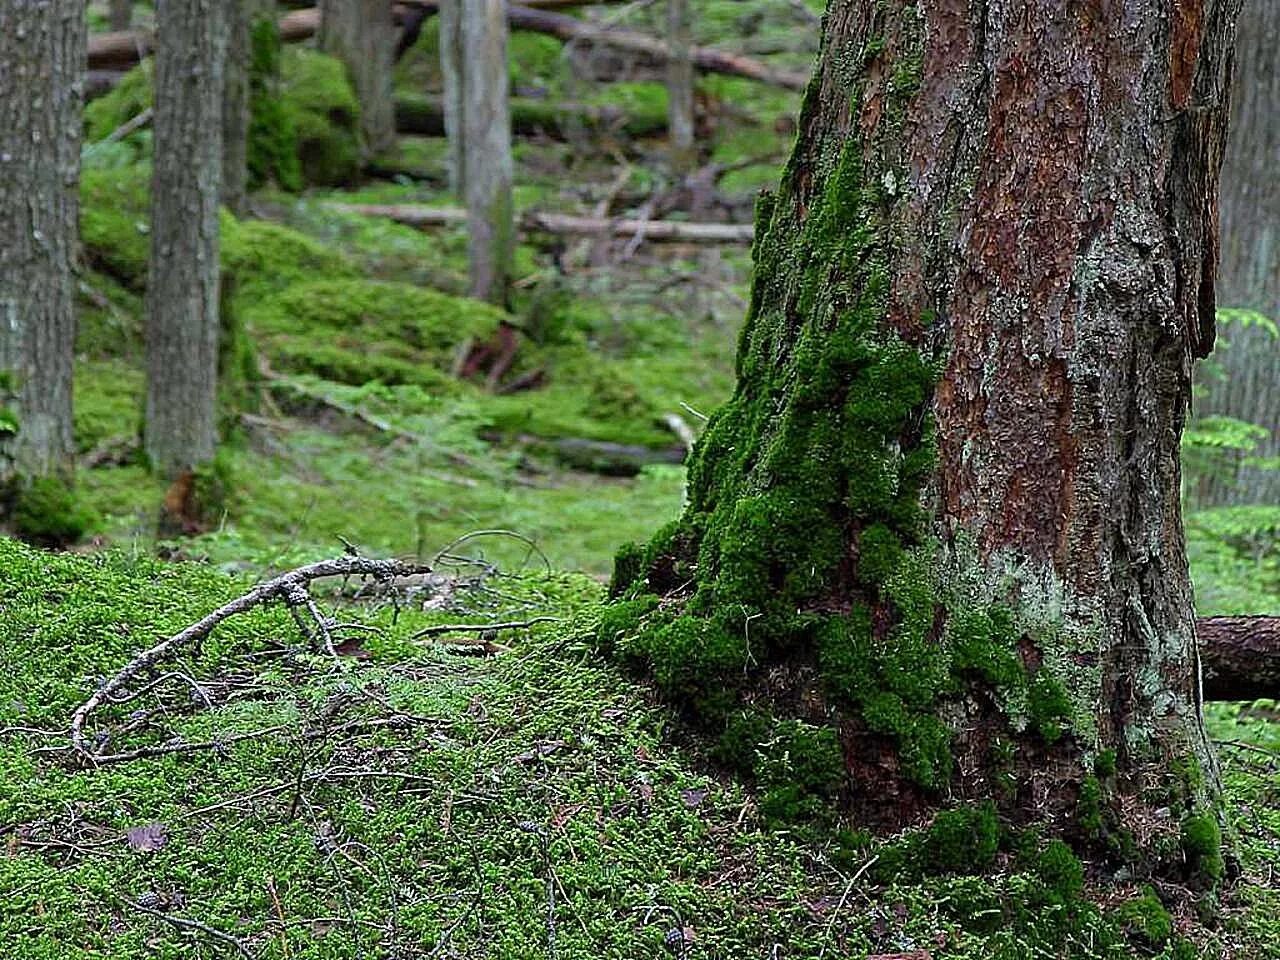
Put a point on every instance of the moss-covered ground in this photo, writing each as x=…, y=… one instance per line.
x=418, y=800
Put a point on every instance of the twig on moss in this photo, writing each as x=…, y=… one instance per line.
x=185, y=923
x=481, y=627
x=292, y=588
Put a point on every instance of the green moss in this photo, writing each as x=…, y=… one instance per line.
x=964, y=840
x=1060, y=874
x=128, y=98
x=1049, y=705
x=318, y=102
x=46, y=511
x=1202, y=846
x=1089, y=808
x=1145, y=919
x=356, y=331
x=272, y=149
x=114, y=209
x=264, y=258
x=620, y=620
x=1104, y=764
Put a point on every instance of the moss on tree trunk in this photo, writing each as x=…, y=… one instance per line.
x=932, y=550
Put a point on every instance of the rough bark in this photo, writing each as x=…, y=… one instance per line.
x=235, y=107
x=451, y=60
x=1249, y=271
x=938, y=522
x=363, y=35
x=121, y=15
x=680, y=86
x=488, y=165
x=41, y=69
x=183, y=274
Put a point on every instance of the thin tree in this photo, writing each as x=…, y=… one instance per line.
x=363, y=35
x=236, y=114
x=932, y=551
x=42, y=52
x=451, y=60
x=680, y=85
x=488, y=165
x=121, y=14
x=1249, y=275
x=180, y=430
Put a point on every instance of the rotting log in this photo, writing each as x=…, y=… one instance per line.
x=1240, y=657
x=675, y=231
x=120, y=50
x=422, y=115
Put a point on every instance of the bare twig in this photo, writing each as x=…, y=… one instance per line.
x=287, y=587
x=185, y=923
x=481, y=627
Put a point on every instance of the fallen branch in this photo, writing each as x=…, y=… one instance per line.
x=672, y=231
x=293, y=588
x=601, y=456
x=1240, y=657
x=120, y=50
x=423, y=115
x=481, y=627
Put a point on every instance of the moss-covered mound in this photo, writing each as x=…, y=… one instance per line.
x=115, y=208
x=355, y=331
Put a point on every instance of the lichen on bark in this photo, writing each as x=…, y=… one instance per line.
x=932, y=550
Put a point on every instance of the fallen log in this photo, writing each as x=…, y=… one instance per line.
x=1240, y=657
x=675, y=231
x=120, y=50
x=424, y=116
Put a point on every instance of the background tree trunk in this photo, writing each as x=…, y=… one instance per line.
x=183, y=276
x=487, y=151
x=1249, y=274
x=680, y=86
x=938, y=522
x=42, y=50
x=451, y=60
x=121, y=14
x=362, y=35
x=235, y=106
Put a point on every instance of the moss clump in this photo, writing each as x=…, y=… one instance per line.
x=1202, y=846
x=1060, y=874
x=619, y=620
x=272, y=150
x=964, y=840
x=46, y=511
x=264, y=258
x=114, y=209
x=320, y=105
x=356, y=331
x=1145, y=919
x=1089, y=808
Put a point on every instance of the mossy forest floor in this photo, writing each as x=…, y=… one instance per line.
x=515, y=796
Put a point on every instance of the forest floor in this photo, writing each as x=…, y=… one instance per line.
x=431, y=797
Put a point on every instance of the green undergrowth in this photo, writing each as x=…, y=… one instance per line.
x=532, y=795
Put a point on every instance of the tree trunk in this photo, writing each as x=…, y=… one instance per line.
x=486, y=124
x=1249, y=275
x=121, y=15
x=451, y=59
x=235, y=107
x=933, y=549
x=42, y=49
x=182, y=284
x=362, y=34
x=680, y=86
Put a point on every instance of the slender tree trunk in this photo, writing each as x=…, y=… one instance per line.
x=680, y=86
x=121, y=14
x=487, y=152
x=451, y=60
x=362, y=34
x=42, y=50
x=235, y=106
x=1249, y=275
x=182, y=284
x=938, y=522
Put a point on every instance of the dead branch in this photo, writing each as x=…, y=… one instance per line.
x=293, y=588
x=673, y=231
x=481, y=627
x=1240, y=657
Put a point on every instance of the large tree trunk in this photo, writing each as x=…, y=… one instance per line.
x=451, y=60
x=680, y=86
x=362, y=34
x=487, y=157
x=938, y=521
x=42, y=49
x=1249, y=275
x=182, y=283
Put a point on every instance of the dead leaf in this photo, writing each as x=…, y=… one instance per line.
x=147, y=839
x=693, y=798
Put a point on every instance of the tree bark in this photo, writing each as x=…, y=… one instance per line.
x=1249, y=274
x=488, y=165
x=363, y=35
x=41, y=69
x=183, y=277
x=451, y=60
x=938, y=522
x=235, y=107
x=121, y=15
x=680, y=86
x=1241, y=657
